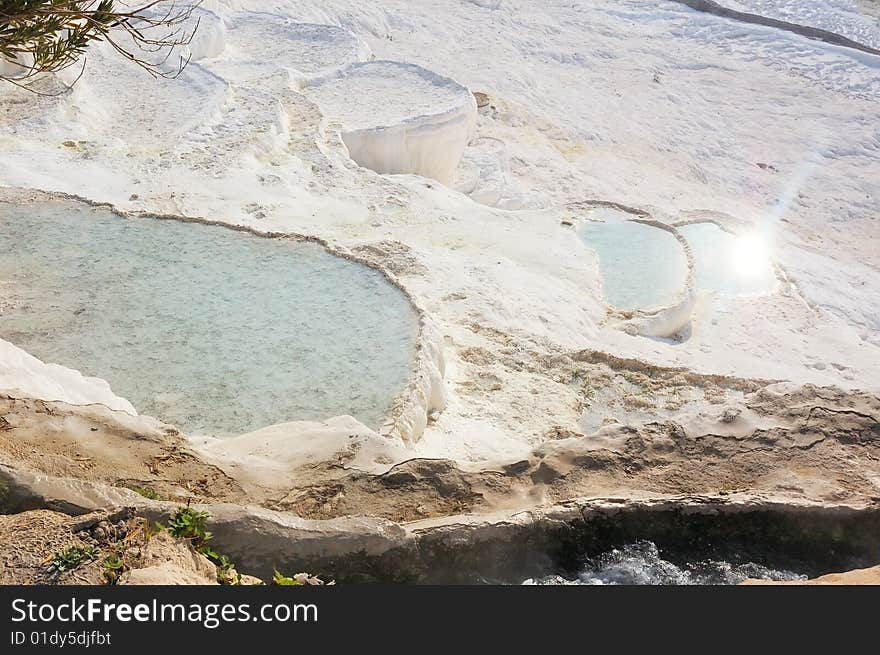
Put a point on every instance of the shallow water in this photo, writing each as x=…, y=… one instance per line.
x=728, y=264
x=641, y=563
x=642, y=267
x=215, y=330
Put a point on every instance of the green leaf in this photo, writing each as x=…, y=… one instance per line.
x=284, y=581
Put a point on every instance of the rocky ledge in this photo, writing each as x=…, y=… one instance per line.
x=790, y=469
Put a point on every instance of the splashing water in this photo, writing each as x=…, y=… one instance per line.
x=640, y=563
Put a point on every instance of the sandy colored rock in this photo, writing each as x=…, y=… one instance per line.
x=870, y=576
x=249, y=580
x=167, y=560
x=27, y=540
x=97, y=444
x=815, y=444
x=164, y=574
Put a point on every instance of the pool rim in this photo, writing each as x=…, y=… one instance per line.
x=406, y=416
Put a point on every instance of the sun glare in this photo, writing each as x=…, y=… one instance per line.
x=750, y=255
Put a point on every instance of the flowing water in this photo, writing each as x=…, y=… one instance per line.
x=641, y=563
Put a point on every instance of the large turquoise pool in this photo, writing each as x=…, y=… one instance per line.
x=215, y=330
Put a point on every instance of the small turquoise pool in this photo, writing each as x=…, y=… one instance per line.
x=215, y=330
x=642, y=267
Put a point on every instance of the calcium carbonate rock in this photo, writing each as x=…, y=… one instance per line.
x=398, y=117
x=23, y=374
x=208, y=35
x=303, y=48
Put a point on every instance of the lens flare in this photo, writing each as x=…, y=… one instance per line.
x=751, y=256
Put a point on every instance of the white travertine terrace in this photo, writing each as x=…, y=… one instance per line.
x=208, y=34
x=680, y=113
x=22, y=373
x=305, y=49
x=525, y=392
x=405, y=119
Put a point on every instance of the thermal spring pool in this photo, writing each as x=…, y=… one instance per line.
x=729, y=264
x=215, y=330
x=642, y=267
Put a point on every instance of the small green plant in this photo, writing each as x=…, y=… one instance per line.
x=72, y=556
x=221, y=561
x=226, y=573
x=146, y=492
x=284, y=581
x=189, y=523
x=113, y=568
